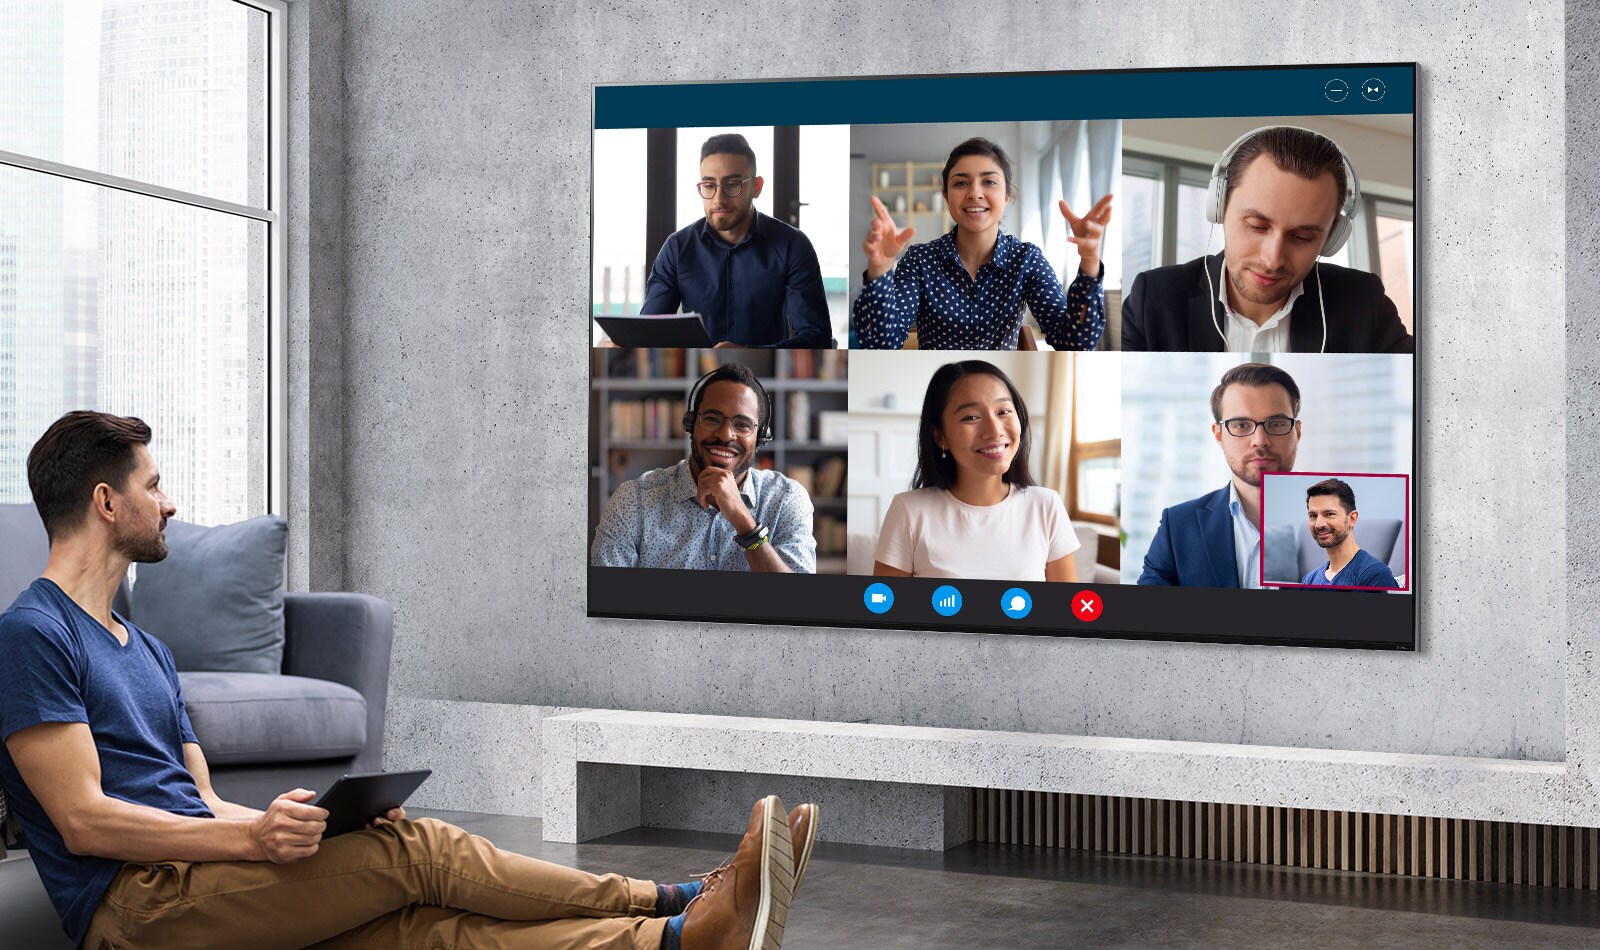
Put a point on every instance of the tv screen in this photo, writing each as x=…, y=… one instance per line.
x=1119, y=354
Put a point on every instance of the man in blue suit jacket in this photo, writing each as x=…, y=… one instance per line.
x=1215, y=540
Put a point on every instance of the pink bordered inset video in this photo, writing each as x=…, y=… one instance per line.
x=1336, y=531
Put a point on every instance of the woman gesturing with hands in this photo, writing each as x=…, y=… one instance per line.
x=966, y=289
x=884, y=241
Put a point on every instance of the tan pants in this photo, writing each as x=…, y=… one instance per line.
x=420, y=883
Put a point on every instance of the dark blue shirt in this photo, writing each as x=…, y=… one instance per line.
x=1364, y=570
x=929, y=288
x=61, y=665
x=764, y=291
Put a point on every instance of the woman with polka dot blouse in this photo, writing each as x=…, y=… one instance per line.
x=965, y=290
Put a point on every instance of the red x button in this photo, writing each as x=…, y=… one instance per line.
x=1086, y=606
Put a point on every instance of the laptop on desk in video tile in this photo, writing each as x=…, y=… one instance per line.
x=655, y=330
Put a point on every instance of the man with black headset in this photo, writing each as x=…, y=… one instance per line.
x=1284, y=196
x=713, y=510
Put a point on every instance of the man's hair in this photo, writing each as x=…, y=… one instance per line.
x=79, y=451
x=935, y=468
x=1297, y=151
x=729, y=143
x=1336, y=488
x=735, y=373
x=986, y=148
x=1255, y=374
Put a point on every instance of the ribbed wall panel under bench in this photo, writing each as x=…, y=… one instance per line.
x=1451, y=848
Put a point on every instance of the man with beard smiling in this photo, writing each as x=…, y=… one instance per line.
x=1331, y=509
x=712, y=510
x=1215, y=540
x=1286, y=198
x=753, y=279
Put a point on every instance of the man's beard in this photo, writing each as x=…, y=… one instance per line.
x=739, y=218
x=1252, y=476
x=1255, y=295
x=1331, y=540
x=146, y=549
x=702, y=462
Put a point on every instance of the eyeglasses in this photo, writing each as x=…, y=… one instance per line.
x=1275, y=425
x=711, y=421
x=731, y=187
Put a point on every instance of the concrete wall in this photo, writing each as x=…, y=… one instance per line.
x=464, y=263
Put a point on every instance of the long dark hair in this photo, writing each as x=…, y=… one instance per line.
x=939, y=471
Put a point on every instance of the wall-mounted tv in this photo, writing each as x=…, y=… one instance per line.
x=1119, y=354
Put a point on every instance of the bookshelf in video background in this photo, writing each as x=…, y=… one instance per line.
x=910, y=190
x=637, y=401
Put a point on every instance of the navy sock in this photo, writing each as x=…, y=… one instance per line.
x=671, y=899
x=672, y=937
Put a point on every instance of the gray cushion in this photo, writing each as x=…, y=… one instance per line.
x=26, y=550
x=1280, y=557
x=217, y=599
x=24, y=553
x=254, y=718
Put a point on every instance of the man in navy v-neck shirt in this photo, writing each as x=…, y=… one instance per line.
x=1331, y=509
x=136, y=849
x=753, y=279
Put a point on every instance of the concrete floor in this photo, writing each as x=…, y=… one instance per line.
x=993, y=896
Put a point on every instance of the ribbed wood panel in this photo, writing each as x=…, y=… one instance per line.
x=1495, y=851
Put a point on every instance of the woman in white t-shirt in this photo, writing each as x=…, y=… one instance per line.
x=974, y=511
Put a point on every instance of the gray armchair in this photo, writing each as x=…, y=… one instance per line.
x=1289, y=553
x=320, y=717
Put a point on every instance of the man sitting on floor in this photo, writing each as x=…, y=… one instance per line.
x=137, y=850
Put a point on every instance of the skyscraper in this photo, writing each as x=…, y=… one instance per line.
x=118, y=301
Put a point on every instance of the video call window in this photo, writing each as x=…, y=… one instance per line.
x=646, y=189
x=1116, y=375
x=1168, y=180
x=1336, y=531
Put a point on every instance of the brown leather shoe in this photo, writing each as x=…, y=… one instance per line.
x=802, y=835
x=744, y=903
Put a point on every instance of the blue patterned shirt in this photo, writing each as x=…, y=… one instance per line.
x=930, y=288
x=654, y=521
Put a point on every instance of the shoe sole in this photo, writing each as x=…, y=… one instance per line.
x=777, y=878
x=803, y=858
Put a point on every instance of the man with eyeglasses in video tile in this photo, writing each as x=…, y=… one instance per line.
x=753, y=279
x=1215, y=540
x=713, y=511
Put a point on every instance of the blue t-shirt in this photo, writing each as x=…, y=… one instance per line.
x=1364, y=570
x=61, y=665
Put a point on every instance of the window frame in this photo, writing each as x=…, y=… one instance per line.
x=1079, y=451
x=272, y=214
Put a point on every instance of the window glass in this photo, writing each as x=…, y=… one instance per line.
x=172, y=94
x=141, y=307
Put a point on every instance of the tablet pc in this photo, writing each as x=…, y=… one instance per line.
x=355, y=800
x=668, y=329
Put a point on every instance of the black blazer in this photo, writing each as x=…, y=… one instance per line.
x=1167, y=310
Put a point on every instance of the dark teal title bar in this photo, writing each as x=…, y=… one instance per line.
x=1019, y=97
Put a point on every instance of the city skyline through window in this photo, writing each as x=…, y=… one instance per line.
x=132, y=303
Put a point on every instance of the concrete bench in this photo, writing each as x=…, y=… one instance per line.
x=907, y=785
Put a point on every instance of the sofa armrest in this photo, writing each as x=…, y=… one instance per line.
x=345, y=638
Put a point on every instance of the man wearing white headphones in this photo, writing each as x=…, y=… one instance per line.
x=713, y=510
x=1284, y=196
